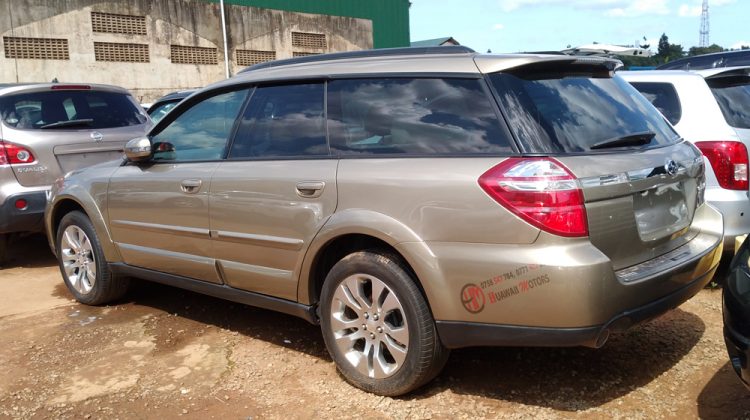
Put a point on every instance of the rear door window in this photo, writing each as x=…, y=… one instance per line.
x=413, y=116
x=733, y=96
x=578, y=111
x=282, y=121
x=663, y=97
x=70, y=109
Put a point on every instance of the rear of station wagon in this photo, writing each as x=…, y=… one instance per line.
x=409, y=203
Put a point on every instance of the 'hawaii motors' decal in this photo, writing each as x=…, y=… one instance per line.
x=504, y=286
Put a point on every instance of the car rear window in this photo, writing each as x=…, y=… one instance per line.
x=571, y=111
x=663, y=96
x=413, y=116
x=733, y=96
x=70, y=109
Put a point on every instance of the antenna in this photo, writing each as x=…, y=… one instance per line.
x=704, y=26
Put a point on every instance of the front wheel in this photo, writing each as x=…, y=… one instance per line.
x=82, y=263
x=377, y=326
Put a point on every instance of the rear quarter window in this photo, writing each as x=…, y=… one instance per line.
x=413, y=116
x=733, y=96
x=663, y=96
x=91, y=109
x=568, y=111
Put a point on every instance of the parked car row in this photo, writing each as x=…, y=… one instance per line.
x=412, y=201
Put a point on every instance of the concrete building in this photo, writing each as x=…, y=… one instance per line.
x=152, y=47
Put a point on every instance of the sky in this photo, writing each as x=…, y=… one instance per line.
x=543, y=25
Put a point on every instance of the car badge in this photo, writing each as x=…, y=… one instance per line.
x=97, y=136
x=671, y=167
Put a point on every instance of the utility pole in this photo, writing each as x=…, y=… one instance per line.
x=224, y=34
x=704, y=26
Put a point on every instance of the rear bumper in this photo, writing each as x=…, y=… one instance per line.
x=28, y=219
x=557, y=291
x=466, y=334
x=735, y=208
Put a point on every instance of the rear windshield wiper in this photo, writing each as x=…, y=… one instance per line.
x=69, y=123
x=635, y=139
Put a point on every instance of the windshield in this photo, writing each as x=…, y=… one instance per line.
x=564, y=112
x=71, y=110
x=733, y=96
x=159, y=111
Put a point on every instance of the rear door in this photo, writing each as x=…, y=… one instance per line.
x=63, y=128
x=275, y=191
x=641, y=182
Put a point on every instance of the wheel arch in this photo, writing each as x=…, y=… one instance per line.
x=65, y=204
x=357, y=232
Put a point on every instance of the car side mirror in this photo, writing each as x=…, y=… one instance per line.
x=138, y=149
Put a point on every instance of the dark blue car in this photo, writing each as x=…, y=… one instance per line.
x=737, y=313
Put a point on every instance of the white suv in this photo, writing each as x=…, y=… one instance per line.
x=710, y=108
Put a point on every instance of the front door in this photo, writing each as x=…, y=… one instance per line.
x=158, y=210
x=275, y=191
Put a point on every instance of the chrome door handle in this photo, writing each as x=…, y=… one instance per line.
x=310, y=189
x=191, y=186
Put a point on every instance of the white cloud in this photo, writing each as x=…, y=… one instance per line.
x=739, y=44
x=498, y=26
x=695, y=8
x=689, y=11
x=608, y=7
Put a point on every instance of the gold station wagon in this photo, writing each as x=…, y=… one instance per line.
x=408, y=201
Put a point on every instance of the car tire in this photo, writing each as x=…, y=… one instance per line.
x=4, y=242
x=84, y=269
x=377, y=325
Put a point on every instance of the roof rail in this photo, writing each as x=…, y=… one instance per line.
x=383, y=52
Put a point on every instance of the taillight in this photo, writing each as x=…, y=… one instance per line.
x=14, y=154
x=729, y=161
x=541, y=191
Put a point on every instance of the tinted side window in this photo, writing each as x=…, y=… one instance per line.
x=733, y=96
x=282, y=121
x=201, y=132
x=663, y=97
x=413, y=116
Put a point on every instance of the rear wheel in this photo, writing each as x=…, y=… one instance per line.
x=377, y=325
x=82, y=263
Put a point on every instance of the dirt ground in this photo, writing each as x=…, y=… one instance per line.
x=168, y=353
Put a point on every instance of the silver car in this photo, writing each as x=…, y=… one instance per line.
x=711, y=109
x=49, y=129
x=408, y=203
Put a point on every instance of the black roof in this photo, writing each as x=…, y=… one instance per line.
x=709, y=61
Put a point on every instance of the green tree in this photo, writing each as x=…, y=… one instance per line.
x=668, y=52
x=713, y=48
